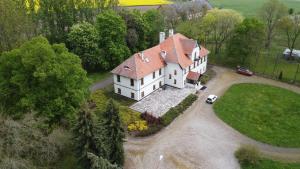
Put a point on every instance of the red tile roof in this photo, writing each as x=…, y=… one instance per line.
x=177, y=48
x=135, y=67
x=193, y=76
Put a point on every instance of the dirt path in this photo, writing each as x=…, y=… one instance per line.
x=198, y=138
x=102, y=84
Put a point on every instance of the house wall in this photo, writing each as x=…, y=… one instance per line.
x=149, y=82
x=125, y=86
x=170, y=70
x=138, y=88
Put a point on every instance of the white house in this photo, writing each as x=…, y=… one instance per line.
x=177, y=61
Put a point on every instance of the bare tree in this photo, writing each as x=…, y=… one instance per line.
x=270, y=13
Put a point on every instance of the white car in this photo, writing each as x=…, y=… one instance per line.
x=211, y=99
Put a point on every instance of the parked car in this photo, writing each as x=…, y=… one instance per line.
x=211, y=99
x=244, y=71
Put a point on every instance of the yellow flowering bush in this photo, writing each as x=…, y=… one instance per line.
x=139, y=125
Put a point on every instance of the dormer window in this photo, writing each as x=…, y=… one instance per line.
x=127, y=67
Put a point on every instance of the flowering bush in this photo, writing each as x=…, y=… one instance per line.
x=140, y=125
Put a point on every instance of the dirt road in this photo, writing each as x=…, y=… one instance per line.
x=198, y=139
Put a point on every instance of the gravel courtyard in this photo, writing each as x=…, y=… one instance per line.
x=160, y=101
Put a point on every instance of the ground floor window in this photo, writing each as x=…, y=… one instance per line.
x=175, y=81
x=119, y=91
x=154, y=87
x=160, y=84
x=132, y=95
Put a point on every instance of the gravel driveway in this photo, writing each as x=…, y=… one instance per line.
x=198, y=138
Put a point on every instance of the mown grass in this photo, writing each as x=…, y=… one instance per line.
x=270, y=164
x=250, y=7
x=143, y=2
x=265, y=113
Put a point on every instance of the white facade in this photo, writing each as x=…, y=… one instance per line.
x=172, y=74
x=141, y=87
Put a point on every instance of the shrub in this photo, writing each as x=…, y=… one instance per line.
x=150, y=118
x=175, y=111
x=140, y=125
x=247, y=156
x=204, y=79
x=128, y=115
x=151, y=130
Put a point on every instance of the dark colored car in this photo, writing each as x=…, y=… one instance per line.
x=244, y=71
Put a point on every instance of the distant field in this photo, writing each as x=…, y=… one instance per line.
x=250, y=7
x=142, y=2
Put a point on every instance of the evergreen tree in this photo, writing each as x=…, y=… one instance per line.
x=115, y=133
x=88, y=137
x=100, y=163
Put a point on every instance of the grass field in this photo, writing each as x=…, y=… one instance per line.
x=269, y=164
x=265, y=113
x=142, y=2
x=250, y=7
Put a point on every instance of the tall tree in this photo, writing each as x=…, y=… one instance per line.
x=88, y=137
x=156, y=24
x=290, y=25
x=270, y=13
x=115, y=133
x=56, y=18
x=112, y=30
x=43, y=78
x=100, y=163
x=15, y=25
x=220, y=24
x=245, y=42
x=137, y=29
x=83, y=41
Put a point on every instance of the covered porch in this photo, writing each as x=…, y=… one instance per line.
x=193, y=80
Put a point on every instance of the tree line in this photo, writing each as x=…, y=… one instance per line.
x=243, y=38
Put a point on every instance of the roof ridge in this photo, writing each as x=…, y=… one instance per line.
x=175, y=48
x=135, y=65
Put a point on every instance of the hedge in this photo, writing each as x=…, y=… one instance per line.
x=177, y=110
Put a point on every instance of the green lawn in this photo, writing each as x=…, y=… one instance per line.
x=269, y=164
x=127, y=115
x=96, y=77
x=250, y=7
x=265, y=113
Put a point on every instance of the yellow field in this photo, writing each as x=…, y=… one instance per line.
x=142, y=2
x=125, y=3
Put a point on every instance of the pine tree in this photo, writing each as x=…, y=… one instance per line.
x=115, y=133
x=97, y=162
x=88, y=137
